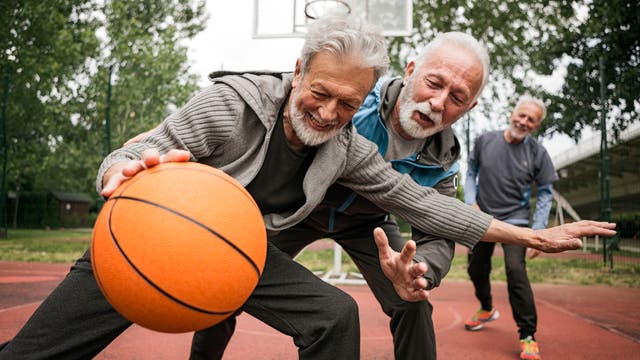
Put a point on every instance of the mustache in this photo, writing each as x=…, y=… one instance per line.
x=425, y=109
x=315, y=117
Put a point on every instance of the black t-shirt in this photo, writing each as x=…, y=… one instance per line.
x=277, y=188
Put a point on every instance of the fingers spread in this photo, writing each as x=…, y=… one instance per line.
x=408, y=251
x=382, y=243
x=418, y=295
x=133, y=167
x=420, y=283
x=151, y=157
x=112, y=184
x=417, y=270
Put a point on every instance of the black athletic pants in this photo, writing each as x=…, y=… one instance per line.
x=523, y=305
x=411, y=323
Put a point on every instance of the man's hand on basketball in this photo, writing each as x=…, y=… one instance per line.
x=406, y=276
x=123, y=171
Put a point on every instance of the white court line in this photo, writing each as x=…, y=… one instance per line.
x=24, y=279
x=19, y=306
x=261, y=333
x=457, y=320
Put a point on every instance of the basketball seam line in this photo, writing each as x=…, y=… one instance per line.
x=167, y=167
x=247, y=257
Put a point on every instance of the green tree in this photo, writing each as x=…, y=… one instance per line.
x=43, y=49
x=144, y=45
x=530, y=38
x=58, y=55
x=151, y=69
x=611, y=32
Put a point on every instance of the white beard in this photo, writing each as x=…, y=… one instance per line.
x=308, y=135
x=407, y=108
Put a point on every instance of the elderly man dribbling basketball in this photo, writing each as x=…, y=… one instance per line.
x=289, y=132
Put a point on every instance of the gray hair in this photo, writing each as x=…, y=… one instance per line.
x=346, y=35
x=465, y=41
x=528, y=99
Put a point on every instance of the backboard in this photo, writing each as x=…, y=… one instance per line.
x=289, y=18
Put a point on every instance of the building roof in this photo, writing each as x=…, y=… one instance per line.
x=579, y=171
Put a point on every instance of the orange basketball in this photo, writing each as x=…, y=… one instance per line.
x=179, y=247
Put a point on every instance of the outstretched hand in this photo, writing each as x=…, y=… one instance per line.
x=568, y=236
x=122, y=172
x=406, y=276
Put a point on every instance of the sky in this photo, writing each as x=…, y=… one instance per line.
x=227, y=43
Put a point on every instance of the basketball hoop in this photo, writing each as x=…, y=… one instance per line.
x=392, y=17
x=315, y=9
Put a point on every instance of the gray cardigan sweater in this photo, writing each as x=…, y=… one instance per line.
x=228, y=125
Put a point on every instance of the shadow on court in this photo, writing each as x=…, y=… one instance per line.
x=575, y=322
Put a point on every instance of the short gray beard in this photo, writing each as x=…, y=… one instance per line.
x=517, y=134
x=306, y=134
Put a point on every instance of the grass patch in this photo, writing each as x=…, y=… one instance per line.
x=49, y=246
x=551, y=270
x=65, y=246
x=322, y=261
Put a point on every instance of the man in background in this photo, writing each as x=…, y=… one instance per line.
x=502, y=168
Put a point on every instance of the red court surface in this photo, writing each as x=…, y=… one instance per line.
x=575, y=322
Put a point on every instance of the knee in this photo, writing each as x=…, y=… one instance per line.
x=338, y=312
x=412, y=310
x=344, y=309
x=333, y=328
x=516, y=271
x=414, y=315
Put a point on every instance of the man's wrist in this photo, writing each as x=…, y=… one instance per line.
x=534, y=238
x=505, y=233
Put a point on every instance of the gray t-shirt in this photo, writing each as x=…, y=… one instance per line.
x=505, y=173
x=398, y=147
